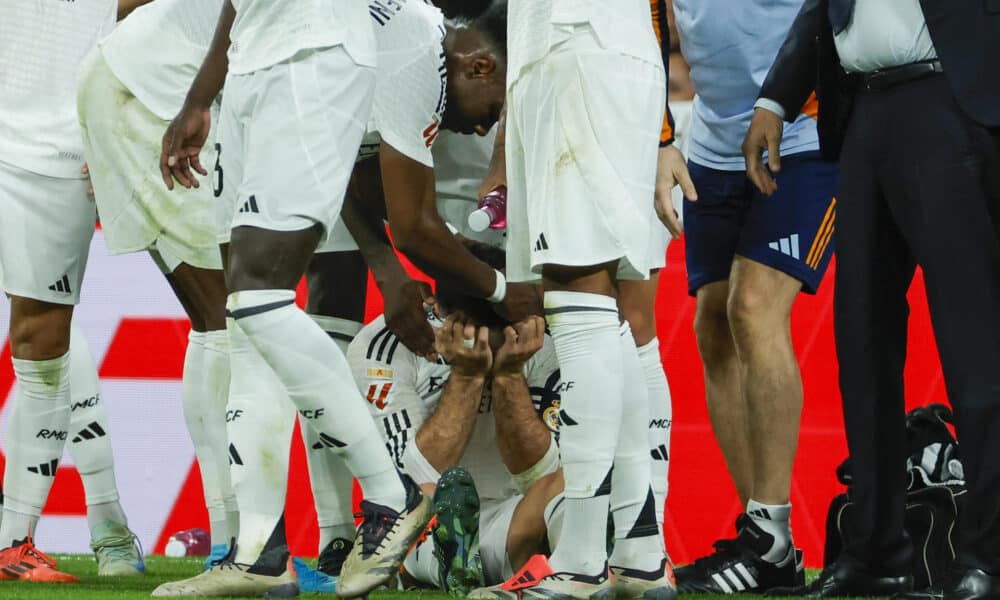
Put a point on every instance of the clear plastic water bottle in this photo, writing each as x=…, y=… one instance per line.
x=492, y=211
x=190, y=542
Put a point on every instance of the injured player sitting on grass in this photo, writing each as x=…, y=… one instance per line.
x=477, y=430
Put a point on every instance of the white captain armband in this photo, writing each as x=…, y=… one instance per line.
x=418, y=467
x=547, y=464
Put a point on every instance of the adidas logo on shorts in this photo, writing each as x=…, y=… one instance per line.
x=540, y=243
x=61, y=286
x=250, y=206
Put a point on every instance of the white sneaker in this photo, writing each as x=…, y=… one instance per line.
x=537, y=580
x=117, y=551
x=382, y=542
x=631, y=584
x=232, y=579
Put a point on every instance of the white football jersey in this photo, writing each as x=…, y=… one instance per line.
x=403, y=390
x=534, y=26
x=410, y=80
x=267, y=32
x=160, y=74
x=42, y=45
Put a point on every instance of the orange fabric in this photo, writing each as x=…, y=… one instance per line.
x=811, y=107
x=667, y=131
x=823, y=236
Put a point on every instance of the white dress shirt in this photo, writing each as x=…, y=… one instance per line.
x=884, y=33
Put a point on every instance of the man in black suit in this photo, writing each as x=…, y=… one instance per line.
x=910, y=102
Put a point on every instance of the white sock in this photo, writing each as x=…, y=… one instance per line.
x=89, y=439
x=774, y=519
x=638, y=543
x=260, y=420
x=660, y=420
x=421, y=564
x=204, y=396
x=319, y=383
x=585, y=331
x=332, y=482
x=36, y=436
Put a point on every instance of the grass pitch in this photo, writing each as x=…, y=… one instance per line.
x=160, y=569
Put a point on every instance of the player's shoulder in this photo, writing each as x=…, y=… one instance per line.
x=377, y=344
x=413, y=22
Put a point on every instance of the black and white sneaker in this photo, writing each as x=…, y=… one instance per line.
x=382, y=541
x=331, y=559
x=737, y=565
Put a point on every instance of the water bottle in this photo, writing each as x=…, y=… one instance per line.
x=190, y=542
x=492, y=211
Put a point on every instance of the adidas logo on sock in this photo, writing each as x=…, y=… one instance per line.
x=660, y=453
x=250, y=206
x=540, y=243
x=61, y=286
x=326, y=441
x=234, y=456
x=47, y=469
x=760, y=513
x=789, y=246
x=94, y=430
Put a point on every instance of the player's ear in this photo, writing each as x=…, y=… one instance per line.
x=483, y=65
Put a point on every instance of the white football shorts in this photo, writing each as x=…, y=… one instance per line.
x=47, y=223
x=289, y=135
x=122, y=142
x=583, y=129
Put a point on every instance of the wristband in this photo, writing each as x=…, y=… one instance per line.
x=500, y=291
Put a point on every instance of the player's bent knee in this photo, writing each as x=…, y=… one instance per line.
x=39, y=330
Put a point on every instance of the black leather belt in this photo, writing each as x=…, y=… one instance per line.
x=883, y=79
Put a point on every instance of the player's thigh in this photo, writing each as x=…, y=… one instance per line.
x=712, y=225
x=300, y=144
x=792, y=231
x=47, y=225
x=584, y=181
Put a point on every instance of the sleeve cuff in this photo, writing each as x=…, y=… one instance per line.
x=770, y=105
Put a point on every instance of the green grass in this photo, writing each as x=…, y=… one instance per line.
x=160, y=569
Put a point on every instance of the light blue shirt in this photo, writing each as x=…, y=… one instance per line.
x=730, y=45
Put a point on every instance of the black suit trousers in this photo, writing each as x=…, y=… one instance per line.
x=919, y=185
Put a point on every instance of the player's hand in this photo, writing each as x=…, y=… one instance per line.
x=766, y=130
x=406, y=315
x=182, y=144
x=523, y=300
x=671, y=170
x=466, y=348
x=85, y=171
x=520, y=342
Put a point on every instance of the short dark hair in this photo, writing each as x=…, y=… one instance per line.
x=462, y=9
x=493, y=22
x=478, y=310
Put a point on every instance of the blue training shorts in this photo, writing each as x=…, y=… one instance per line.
x=792, y=231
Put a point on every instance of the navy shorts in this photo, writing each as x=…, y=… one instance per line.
x=792, y=231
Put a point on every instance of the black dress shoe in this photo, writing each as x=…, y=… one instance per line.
x=973, y=584
x=844, y=579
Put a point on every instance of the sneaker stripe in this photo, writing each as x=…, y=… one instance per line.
x=745, y=574
x=722, y=583
x=737, y=580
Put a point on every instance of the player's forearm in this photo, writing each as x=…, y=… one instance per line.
x=522, y=437
x=212, y=74
x=445, y=435
x=436, y=251
x=369, y=234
